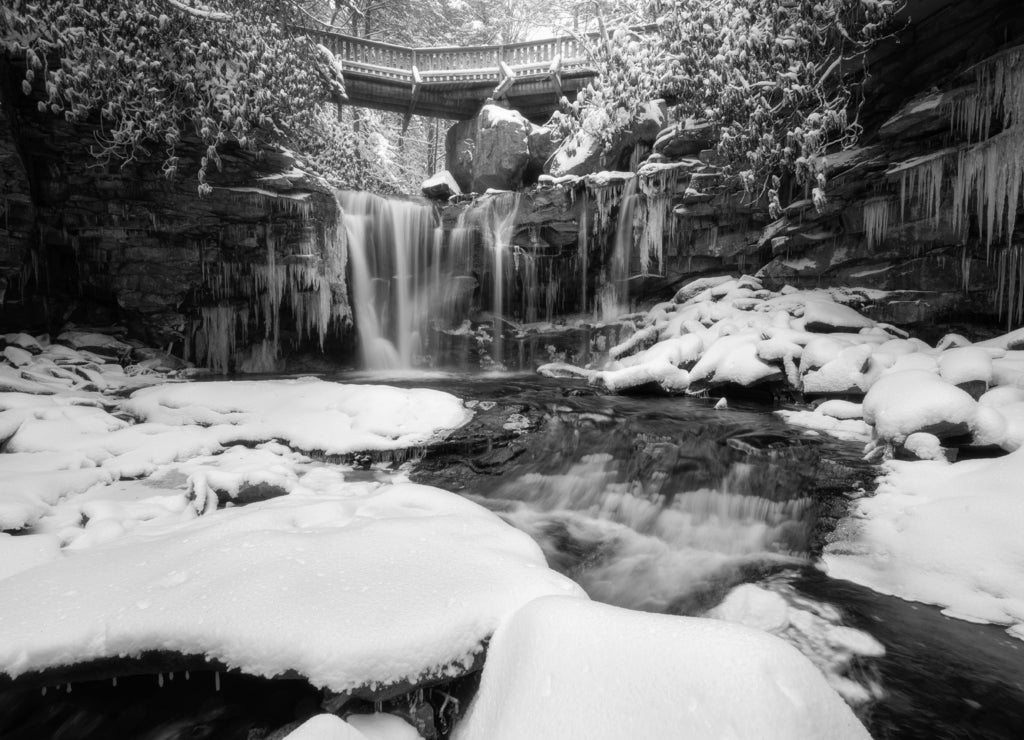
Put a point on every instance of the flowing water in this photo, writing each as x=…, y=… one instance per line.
x=670, y=505
x=411, y=281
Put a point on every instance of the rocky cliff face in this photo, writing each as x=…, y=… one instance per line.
x=925, y=207
x=239, y=274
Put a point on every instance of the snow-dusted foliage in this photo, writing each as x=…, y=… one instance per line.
x=768, y=75
x=160, y=73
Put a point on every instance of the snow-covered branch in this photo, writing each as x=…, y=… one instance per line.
x=200, y=10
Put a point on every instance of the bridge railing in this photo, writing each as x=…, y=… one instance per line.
x=453, y=63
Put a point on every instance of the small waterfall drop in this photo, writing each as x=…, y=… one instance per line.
x=496, y=219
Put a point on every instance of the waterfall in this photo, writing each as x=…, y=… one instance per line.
x=493, y=217
x=613, y=295
x=399, y=276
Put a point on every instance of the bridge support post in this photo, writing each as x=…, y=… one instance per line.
x=555, y=73
x=417, y=87
x=508, y=79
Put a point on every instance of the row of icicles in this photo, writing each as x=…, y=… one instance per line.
x=987, y=175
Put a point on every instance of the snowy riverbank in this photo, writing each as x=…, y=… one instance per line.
x=936, y=531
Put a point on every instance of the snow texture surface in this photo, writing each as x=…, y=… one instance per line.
x=654, y=676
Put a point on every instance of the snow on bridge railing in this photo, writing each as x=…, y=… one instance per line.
x=455, y=63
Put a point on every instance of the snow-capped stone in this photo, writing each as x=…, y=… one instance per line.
x=563, y=669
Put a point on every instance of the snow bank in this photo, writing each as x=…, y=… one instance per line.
x=565, y=668
x=349, y=584
x=945, y=534
x=307, y=413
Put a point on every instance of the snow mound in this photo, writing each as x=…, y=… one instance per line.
x=348, y=584
x=325, y=727
x=307, y=413
x=565, y=668
x=902, y=403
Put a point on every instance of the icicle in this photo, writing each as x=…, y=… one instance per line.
x=652, y=244
x=876, y=220
x=990, y=175
x=999, y=88
x=583, y=249
x=921, y=183
x=1010, y=285
x=217, y=339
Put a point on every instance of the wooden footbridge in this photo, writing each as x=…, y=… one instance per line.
x=453, y=82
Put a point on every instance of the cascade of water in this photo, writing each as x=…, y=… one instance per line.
x=398, y=275
x=494, y=215
x=613, y=295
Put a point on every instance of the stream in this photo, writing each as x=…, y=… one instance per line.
x=660, y=504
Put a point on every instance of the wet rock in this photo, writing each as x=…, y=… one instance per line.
x=543, y=142
x=158, y=360
x=685, y=139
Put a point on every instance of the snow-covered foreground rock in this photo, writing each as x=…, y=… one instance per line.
x=941, y=533
x=347, y=584
x=565, y=668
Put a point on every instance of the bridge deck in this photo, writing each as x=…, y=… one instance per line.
x=453, y=82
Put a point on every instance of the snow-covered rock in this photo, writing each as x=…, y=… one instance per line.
x=355, y=727
x=440, y=186
x=309, y=414
x=917, y=401
x=565, y=668
x=348, y=584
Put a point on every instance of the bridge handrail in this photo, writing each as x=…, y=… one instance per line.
x=396, y=58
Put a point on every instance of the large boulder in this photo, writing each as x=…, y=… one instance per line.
x=543, y=142
x=586, y=152
x=498, y=148
x=502, y=149
x=460, y=152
